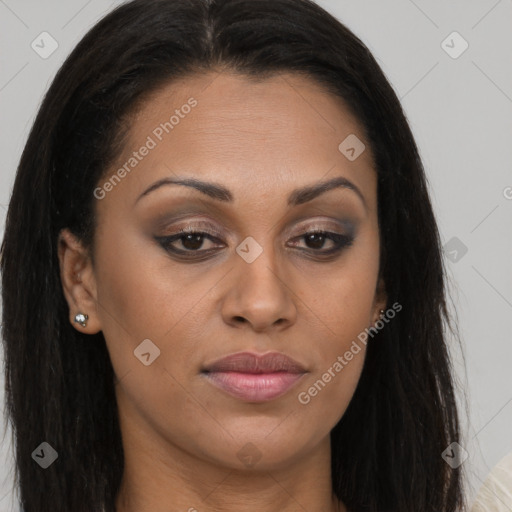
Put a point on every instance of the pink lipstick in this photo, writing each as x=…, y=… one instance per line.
x=254, y=378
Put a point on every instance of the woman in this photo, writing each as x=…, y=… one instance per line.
x=222, y=278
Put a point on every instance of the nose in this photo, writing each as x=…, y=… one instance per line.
x=260, y=295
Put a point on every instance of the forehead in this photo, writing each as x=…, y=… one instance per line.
x=284, y=130
x=282, y=105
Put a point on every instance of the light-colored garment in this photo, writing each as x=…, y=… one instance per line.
x=495, y=495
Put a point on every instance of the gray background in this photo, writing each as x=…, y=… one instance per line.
x=460, y=113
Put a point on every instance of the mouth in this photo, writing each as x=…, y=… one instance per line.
x=254, y=378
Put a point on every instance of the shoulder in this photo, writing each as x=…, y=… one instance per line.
x=495, y=495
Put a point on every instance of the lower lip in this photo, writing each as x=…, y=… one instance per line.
x=254, y=387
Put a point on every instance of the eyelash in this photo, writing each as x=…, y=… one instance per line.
x=341, y=241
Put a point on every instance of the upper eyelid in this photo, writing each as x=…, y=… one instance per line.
x=213, y=234
x=176, y=236
x=303, y=226
x=215, y=237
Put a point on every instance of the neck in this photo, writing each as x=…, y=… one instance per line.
x=162, y=477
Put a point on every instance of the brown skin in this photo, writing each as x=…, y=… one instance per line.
x=181, y=435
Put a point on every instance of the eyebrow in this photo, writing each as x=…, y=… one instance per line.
x=219, y=192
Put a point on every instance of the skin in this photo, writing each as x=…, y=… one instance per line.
x=181, y=435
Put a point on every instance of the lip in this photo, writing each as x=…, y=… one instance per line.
x=253, y=377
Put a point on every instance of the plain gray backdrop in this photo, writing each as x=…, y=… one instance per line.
x=450, y=64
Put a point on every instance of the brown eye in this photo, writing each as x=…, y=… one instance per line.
x=190, y=241
x=316, y=240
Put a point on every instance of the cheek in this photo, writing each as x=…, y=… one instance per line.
x=131, y=297
x=343, y=311
x=340, y=353
x=142, y=295
x=340, y=302
x=326, y=394
x=346, y=303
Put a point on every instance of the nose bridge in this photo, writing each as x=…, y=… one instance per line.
x=259, y=266
x=259, y=293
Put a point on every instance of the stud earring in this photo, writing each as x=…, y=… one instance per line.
x=81, y=319
x=381, y=316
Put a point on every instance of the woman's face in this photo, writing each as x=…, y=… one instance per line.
x=254, y=283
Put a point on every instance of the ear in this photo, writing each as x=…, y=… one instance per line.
x=380, y=300
x=78, y=281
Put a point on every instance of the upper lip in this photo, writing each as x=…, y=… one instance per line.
x=248, y=362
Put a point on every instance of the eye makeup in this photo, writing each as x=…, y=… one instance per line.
x=188, y=241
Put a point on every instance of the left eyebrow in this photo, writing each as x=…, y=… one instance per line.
x=310, y=192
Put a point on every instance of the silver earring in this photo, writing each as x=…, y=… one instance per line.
x=382, y=314
x=81, y=319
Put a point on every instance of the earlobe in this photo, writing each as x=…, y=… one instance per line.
x=380, y=301
x=78, y=283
